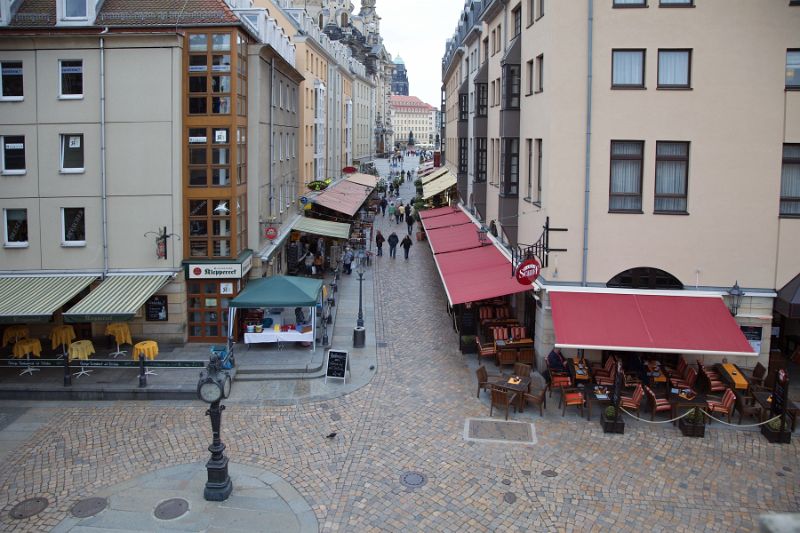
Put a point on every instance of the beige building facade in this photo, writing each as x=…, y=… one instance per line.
x=667, y=171
x=410, y=115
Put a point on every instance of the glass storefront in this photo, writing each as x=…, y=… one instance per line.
x=208, y=301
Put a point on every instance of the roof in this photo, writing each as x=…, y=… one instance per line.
x=345, y=197
x=788, y=301
x=328, y=228
x=279, y=291
x=399, y=60
x=132, y=13
x=646, y=323
x=476, y=274
x=399, y=101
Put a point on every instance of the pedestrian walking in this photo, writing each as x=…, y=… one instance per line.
x=399, y=213
x=406, y=244
x=379, y=242
x=384, y=203
x=393, y=240
x=392, y=209
x=347, y=261
x=410, y=223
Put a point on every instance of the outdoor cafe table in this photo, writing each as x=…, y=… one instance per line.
x=14, y=333
x=81, y=350
x=24, y=348
x=122, y=335
x=578, y=370
x=146, y=349
x=595, y=395
x=733, y=376
x=764, y=399
x=678, y=402
x=655, y=373
x=62, y=336
x=520, y=388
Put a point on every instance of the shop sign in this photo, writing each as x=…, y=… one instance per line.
x=215, y=271
x=528, y=271
x=317, y=185
x=349, y=170
x=271, y=233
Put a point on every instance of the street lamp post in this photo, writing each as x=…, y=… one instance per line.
x=359, y=333
x=213, y=386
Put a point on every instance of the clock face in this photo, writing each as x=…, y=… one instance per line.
x=226, y=386
x=209, y=391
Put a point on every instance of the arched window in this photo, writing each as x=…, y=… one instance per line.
x=344, y=20
x=645, y=278
x=321, y=21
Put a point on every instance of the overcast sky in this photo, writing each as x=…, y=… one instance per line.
x=417, y=30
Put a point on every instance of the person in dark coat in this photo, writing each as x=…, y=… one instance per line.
x=379, y=242
x=384, y=203
x=410, y=221
x=406, y=244
x=393, y=240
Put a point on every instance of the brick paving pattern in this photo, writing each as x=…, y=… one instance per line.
x=410, y=417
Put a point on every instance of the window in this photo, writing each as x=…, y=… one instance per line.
x=497, y=91
x=463, y=107
x=485, y=49
x=540, y=10
x=499, y=36
x=674, y=69
x=517, y=14
x=71, y=153
x=12, y=80
x=676, y=3
x=210, y=227
x=71, y=78
x=538, y=197
x=13, y=155
x=463, y=155
x=531, y=11
x=510, y=158
x=627, y=69
x=75, y=9
x=792, y=69
x=494, y=42
x=511, y=86
x=529, y=153
x=625, y=192
x=210, y=75
x=16, y=228
x=480, y=159
x=529, y=74
x=630, y=3
x=209, y=157
x=790, y=180
x=493, y=101
x=672, y=171
x=73, y=226
x=540, y=73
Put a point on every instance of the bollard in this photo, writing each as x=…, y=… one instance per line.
x=67, y=374
x=142, y=375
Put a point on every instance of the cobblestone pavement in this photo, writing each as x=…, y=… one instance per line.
x=410, y=417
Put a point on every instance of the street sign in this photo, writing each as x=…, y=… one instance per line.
x=528, y=271
x=303, y=200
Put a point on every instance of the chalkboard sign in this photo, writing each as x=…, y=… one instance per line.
x=155, y=308
x=779, y=393
x=468, y=325
x=338, y=365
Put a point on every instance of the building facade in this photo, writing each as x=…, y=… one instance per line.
x=400, y=77
x=625, y=141
x=411, y=117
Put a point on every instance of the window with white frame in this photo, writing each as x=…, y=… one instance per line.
x=13, y=154
x=11, y=87
x=792, y=69
x=75, y=9
x=627, y=69
x=73, y=226
x=674, y=69
x=72, y=153
x=15, y=228
x=71, y=78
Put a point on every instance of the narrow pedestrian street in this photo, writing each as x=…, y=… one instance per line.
x=410, y=419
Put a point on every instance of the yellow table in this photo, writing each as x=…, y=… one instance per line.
x=739, y=381
x=81, y=350
x=148, y=349
x=122, y=335
x=62, y=336
x=14, y=333
x=24, y=348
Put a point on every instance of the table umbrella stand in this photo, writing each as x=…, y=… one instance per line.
x=82, y=372
x=29, y=369
x=118, y=352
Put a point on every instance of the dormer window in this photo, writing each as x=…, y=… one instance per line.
x=76, y=9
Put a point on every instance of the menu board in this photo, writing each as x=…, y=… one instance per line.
x=753, y=336
x=338, y=365
x=155, y=308
x=779, y=391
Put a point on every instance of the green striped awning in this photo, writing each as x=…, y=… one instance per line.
x=119, y=297
x=36, y=298
x=337, y=230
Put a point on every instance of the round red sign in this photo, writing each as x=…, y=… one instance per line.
x=271, y=233
x=197, y=271
x=528, y=271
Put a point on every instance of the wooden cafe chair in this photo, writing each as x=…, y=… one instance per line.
x=502, y=398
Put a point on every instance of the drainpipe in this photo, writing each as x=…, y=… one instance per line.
x=588, y=155
x=103, y=178
x=271, y=137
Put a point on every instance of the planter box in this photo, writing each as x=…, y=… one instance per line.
x=420, y=235
x=775, y=436
x=611, y=426
x=692, y=430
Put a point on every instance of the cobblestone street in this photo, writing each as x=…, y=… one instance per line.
x=410, y=418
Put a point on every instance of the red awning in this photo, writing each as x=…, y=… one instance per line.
x=438, y=211
x=453, y=219
x=646, y=323
x=345, y=197
x=476, y=274
x=453, y=238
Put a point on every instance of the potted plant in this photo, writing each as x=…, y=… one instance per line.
x=693, y=424
x=772, y=430
x=468, y=344
x=612, y=421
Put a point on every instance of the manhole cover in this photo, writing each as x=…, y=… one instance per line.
x=549, y=473
x=29, y=507
x=413, y=479
x=510, y=497
x=506, y=482
x=172, y=508
x=88, y=507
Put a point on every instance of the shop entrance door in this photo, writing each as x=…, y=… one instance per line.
x=208, y=302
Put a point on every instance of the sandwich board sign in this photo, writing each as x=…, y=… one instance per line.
x=338, y=365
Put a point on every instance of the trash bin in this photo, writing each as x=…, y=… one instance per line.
x=359, y=336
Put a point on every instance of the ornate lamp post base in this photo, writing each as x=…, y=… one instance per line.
x=219, y=485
